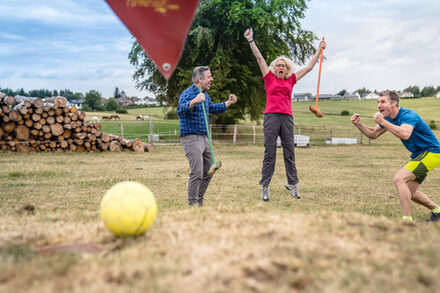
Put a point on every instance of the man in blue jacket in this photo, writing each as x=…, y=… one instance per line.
x=193, y=132
x=418, y=138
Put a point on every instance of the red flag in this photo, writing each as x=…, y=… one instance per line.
x=160, y=26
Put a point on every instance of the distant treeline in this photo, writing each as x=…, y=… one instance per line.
x=43, y=93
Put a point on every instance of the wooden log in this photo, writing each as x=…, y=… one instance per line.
x=29, y=123
x=80, y=148
x=14, y=116
x=38, y=111
x=56, y=129
x=50, y=120
x=64, y=144
x=115, y=146
x=34, y=132
x=138, y=145
x=81, y=135
x=43, y=121
x=105, y=137
x=47, y=135
x=22, y=148
x=82, y=116
x=22, y=132
x=9, y=100
x=60, y=101
x=46, y=129
x=44, y=114
x=67, y=120
x=73, y=109
x=6, y=109
x=91, y=137
x=23, y=110
x=59, y=119
x=5, y=118
x=38, y=125
x=104, y=146
x=72, y=147
x=36, y=117
x=67, y=126
x=66, y=110
x=27, y=103
x=67, y=133
x=53, y=144
x=38, y=103
x=8, y=127
x=149, y=147
x=73, y=116
x=2, y=132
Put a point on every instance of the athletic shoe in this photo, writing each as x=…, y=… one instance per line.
x=265, y=193
x=434, y=217
x=293, y=190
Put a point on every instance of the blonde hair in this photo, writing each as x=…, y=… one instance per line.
x=289, y=65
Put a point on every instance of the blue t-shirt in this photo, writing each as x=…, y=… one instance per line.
x=422, y=138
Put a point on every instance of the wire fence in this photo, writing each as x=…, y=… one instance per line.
x=167, y=132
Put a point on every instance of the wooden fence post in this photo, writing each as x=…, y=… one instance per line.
x=150, y=138
x=122, y=129
x=253, y=128
x=235, y=134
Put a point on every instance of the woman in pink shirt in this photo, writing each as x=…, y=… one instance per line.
x=279, y=80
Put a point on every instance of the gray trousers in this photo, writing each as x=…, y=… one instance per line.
x=196, y=148
x=277, y=124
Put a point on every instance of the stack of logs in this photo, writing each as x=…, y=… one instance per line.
x=31, y=124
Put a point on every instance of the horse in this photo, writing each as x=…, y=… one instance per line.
x=115, y=117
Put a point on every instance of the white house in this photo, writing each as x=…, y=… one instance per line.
x=370, y=96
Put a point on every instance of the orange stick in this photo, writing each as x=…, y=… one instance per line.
x=319, y=77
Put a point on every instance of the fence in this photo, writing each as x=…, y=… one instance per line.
x=167, y=132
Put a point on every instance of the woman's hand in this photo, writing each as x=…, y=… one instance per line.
x=249, y=35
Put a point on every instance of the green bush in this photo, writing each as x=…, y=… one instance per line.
x=85, y=108
x=345, y=113
x=432, y=125
x=121, y=111
x=172, y=114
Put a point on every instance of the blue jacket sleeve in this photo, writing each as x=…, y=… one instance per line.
x=184, y=101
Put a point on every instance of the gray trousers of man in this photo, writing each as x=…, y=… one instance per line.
x=197, y=151
x=277, y=124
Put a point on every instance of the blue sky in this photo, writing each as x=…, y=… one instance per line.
x=81, y=45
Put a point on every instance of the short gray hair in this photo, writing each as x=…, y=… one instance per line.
x=391, y=95
x=199, y=71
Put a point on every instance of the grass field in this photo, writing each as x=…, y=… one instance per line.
x=343, y=235
x=316, y=128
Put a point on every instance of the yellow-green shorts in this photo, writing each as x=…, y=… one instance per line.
x=422, y=165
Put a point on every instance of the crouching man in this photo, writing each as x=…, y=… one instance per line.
x=418, y=138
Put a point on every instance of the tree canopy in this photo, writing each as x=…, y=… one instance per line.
x=216, y=39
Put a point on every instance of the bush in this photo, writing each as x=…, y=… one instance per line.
x=86, y=108
x=121, y=111
x=172, y=114
x=432, y=125
x=345, y=113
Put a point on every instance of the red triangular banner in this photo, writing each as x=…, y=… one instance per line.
x=160, y=26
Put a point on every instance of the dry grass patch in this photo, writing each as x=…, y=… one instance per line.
x=344, y=234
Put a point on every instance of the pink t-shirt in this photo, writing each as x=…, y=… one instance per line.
x=278, y=93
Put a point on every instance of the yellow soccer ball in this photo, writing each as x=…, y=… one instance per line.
x=128, y=209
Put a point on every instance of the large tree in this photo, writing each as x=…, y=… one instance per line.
x=216, y=39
